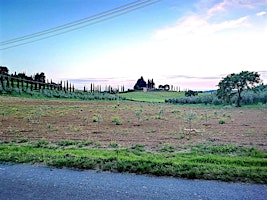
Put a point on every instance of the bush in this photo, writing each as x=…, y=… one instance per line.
x=116, y=120
x=248, y=97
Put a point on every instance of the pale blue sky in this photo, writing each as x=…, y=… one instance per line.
x=191, y=44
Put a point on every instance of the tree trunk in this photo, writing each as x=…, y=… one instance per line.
x=238, y=99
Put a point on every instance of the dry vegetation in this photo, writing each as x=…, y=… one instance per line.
x=129, y=123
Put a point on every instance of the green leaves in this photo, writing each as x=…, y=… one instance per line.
x=235, y=84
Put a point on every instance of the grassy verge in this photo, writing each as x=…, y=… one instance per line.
x=225, y=163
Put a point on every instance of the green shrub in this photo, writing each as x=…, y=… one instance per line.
x=221, y=121
x=116, y=120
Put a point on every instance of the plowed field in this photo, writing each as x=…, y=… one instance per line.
x=128, y=123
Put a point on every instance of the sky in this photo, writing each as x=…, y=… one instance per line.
x=190, y=44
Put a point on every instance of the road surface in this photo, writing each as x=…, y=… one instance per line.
x=26, y=181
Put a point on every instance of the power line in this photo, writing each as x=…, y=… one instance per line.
x=79, y=24
x=81, y=21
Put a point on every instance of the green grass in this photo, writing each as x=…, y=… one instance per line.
x=153, y=97
x=225, y=163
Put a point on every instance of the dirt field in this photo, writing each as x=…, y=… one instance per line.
x=153, y=125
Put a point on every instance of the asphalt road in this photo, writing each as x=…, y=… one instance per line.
x=37, y=182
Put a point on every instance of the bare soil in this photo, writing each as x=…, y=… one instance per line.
x=153, y=125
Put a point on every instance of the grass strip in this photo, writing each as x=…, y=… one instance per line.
x=185, y=165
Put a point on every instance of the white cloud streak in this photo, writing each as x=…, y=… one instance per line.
x=197, y=46
x=261, y=13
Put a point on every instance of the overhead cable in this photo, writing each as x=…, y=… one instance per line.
x=79, y=24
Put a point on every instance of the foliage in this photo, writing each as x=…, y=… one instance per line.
x=243, y=81
x=140, y=84
x=116, y=120
x=190, y=93
x=226, y=163
x=189, y=117
x=47, y=93
x=248, y=97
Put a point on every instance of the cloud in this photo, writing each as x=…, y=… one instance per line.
x=193, y=77
x=220, y=7
x=261, y=13
x=195, y=25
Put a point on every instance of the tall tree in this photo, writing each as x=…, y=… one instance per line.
x=4, y=70
x=140, y=84
x=235, y=84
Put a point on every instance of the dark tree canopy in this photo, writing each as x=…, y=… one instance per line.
x=40, y=77
x=190, y=93
x=4, y=70
x=235, y=84
x=164, y=87
x=150, y=84
x=140, y=84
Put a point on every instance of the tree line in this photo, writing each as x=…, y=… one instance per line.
x=35, y=82
x=245, y=87
x=38, y=81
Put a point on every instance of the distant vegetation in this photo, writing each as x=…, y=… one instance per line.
x=247, y=98
x=243, y=88
x=37, y=87
x=236, y=84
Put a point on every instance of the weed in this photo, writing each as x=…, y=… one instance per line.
x=116, y=120
x=175, y=111
x=250, y=132
x=98, y=144
x=139, y=113
x=97, y=118
x=23, y=140
x=70, y=127
x=113, y=145
x=38, y=114
x=138, y=147
x=160, y=113
x=167, y=148
x=77, y=128
x=225, y=163
x=189, y=117
x=221, y=121
x=85, y=119
x=3, y=115
x=65, y=143
x=42, y=143
x=48, y=125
